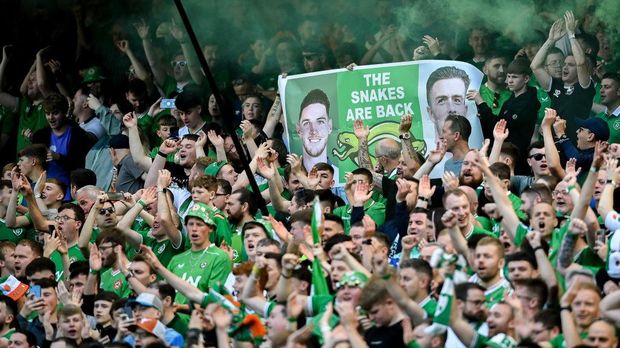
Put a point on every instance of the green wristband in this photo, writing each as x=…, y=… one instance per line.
x=142, y=203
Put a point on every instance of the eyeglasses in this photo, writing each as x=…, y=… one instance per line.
x=537, y=156
x=63, y=218
x=105, y=211
x=179, y=63
x=495, y=100
x=238, y=82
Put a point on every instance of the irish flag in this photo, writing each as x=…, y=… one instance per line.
x=318, y=278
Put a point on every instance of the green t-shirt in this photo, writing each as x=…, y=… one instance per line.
x=75, y=254
x=494, y=101
x=203, y=269
x=499, y=340
x=495, y=293
x=376, y=211
x=614, y=127
x=429, y=304
x=8, y=121
x=179, y=323
x=164, y=249
x=559, y=341
x=115, y=281
x=8, y=334
x=30, y=117
x=479, y=230
x=15, y=235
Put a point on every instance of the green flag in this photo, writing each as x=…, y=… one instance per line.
x=441, y=320
x=318, y=278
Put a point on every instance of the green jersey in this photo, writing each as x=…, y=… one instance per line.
x=15, y=234
x=8, y=334
x=114, y=281
x=494, y=100
x=499, y=340
x=559, y=341
x=31, y=117
x=376, y=211
x=495, y=293
x=165, y=250
x=203, y=269
x=179, y=323
x=75, y=254
x=613, y=121
x=429, y=304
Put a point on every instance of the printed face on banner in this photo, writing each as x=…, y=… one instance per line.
x=314, y=128
x=446, y=97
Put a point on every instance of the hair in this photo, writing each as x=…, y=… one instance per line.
x=137, y=87
x=365, y=172
x=421, y=267
x=519, y=66
x=68, y=310
x=82, y=177
x=36, y=151
x=454, y=192
x=60, y=184
x=459, y=123
x=278, y=146
x=375, y=292
x=536, y=287
x=522, y=256
x=541, y=192
x=335, y=218
x=549, y=318
x=462, y=290
x=11, y=306
x=113, y=236
x=304, y=216
x=30, y=337
x=590, y=41
x=382, y=238
x=36, y=248
x=6, y=245
x=446, y=73
x=78, y=268
x=288, y=171
x=551, y=180
x=40, y=264
x=612, y=76
x=303, y=196
x=166, y=290
x=188, y=99
x=203, y=162
x=46, y=283
x=55, y=103
x=79, y=213
x=495, y=55
x=107, y=296
x=335, y=240
x=253, y=224
x=510, y=150
x=492, y=241
x=501, y=170
x=140, y=258
x=315, y=96
x=166, y=120
x=224, y=185
x=554, y=50
x=246, y=196
x=190, y=137
x=208, y=182
x=327, y=196
x=69, y=342
x=93, y=191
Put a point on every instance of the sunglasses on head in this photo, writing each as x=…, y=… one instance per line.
x=105, y=211
x=538, y=156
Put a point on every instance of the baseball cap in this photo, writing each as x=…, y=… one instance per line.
x=93, y=74
x=214, y=168
x=201, y=211
x=147, y=299
x=153, y=326
x=119, y=141
x=353, y=278
x=596, y=125
x=266, y=225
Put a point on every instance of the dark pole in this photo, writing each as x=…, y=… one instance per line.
x=222, y=106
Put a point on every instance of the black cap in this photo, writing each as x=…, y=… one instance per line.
x=119, y=141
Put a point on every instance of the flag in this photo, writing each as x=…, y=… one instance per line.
x=13, y=288
x=245, y=327
x=319, y=283
x=441, y=320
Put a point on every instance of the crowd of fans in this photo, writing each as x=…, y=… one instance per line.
x=126, y=219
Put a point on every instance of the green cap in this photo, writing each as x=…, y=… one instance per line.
x=264, y=223
x=201, y=211
x=352, y=278
x=93, y=74
x=214, y=168
x=501, y=341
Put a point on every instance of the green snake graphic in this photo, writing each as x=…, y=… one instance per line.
x=348, y=145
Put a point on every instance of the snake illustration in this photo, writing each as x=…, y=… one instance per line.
x=348, y=145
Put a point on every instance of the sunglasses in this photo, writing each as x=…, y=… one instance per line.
x=180, y=63
x=105, y=211
x=538, y=156
x=238, y=82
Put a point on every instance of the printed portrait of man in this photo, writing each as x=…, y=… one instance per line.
x=314, y=127
x=445, y=91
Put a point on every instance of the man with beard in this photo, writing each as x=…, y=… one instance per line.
x=488, y=265
x=470, y=175
x=455, y=132
x=68, y=143
x=494, y=92
x=240, y=208
x=314, y=128
x=480, y=42
x=186, y=148
x=29, y=108
x=103, y=264
x=470, y=302
x=501, y=324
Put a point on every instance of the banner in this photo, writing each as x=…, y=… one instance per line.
x=320, y=108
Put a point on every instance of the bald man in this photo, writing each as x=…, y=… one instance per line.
x=387, y=153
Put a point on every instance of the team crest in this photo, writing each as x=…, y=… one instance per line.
x=118, y=284
x=161, y=248
x=18, y=231
x=616, y=125
x=203, y=265
x=556, y=93
x=570, y=90
x=514, y=116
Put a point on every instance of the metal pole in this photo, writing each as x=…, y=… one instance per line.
x=222, y=106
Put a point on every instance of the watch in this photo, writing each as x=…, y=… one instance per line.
x=405, y=136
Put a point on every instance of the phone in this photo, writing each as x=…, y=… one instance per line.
x=115, y=196
x=51, y=229
x=167, y=104
x=601, y=235
x=128, y=312
x=174, y=132
x=36, y=290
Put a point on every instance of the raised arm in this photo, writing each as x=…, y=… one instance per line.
x=408, y=151
x=87, y=229
x=606, y=202
x=363, y=155
x=163, y=181
x=273, y=117
x=11, y=219
x=434, y=157
x=159, y=72
x=192, y=62
x=249, y=134
x=6, y=99
x=134, y=238
x=135, y=144
x=583, y=68
x=167, y=147
x=218, y=142
x=43, y=82
x=538, y=63
x=141, y=72
x=545, y=269
x=500, y=134
x=610, y=307
x=551, y=151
